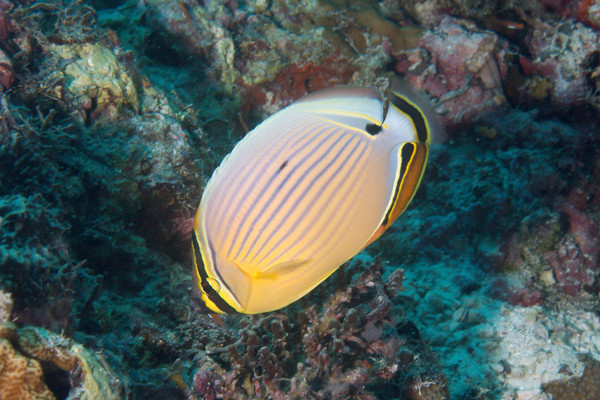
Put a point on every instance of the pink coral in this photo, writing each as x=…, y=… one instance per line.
x=560, y=53
x=349, y=348
x=204, y=384
x=300, y=79
x=517, y=296
x=6, y=27
x=588, y=12
x=7, y=75
x=575, y=258
x=463, y=69
x=297, y=80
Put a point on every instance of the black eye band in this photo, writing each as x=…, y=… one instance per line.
x=206, y=288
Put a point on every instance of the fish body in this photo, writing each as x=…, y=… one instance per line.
x=305, y=191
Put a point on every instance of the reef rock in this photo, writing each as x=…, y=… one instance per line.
x=33, y=360
x=459, y=67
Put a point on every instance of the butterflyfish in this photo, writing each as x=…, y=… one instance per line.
x=304, y=192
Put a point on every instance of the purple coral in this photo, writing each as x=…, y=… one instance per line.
x=204, y=384
x=575, y=258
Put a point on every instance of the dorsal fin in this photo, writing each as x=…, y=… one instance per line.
x=341, y=92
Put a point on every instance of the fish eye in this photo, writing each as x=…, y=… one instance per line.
x=211, y=285
x=373, y=129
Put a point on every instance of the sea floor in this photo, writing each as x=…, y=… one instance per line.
x=488, y=346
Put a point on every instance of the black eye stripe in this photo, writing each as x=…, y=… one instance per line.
x=208, y=290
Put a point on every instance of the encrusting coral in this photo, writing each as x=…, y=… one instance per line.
x=21, y=378
x=585, y=387
x=29, y=355
x=6, y=306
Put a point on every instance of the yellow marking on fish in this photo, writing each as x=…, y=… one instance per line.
x=304, y=192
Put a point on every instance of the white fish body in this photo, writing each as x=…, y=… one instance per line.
x=303, y=193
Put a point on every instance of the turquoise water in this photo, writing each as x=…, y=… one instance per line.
x=114, y=115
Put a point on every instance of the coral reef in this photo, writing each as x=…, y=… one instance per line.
x=6, y=306
x=561, y=53
x=30, y=355
x=113, y=114
x=431, y=12
x=575, y=258
x=20, y=377
x=467, y=81
x=349, y=347
x=95, y=78
x=560, y=250
x=273, y=56
x=584, y=387
x=7, y=75
x=588, y=12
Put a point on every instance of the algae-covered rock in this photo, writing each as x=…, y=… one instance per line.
x=98, y=382
x=6, y=306
x=96, y=77
x=33, y=360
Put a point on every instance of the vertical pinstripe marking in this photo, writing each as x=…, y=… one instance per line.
x=241, y=180
x=354, y=160
x=293, y=194
x=249, y=224
x=221, y=193
x=230, y=199
x=281, y=194
x=325, y=209
x=332, y=232
x=259, y=195
x=328, y=229
x=308, y=196
x=249, y=194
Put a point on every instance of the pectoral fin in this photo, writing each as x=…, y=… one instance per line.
x=281, y=270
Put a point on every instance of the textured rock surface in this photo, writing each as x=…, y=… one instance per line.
x=21, y=378
x=22, y=352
